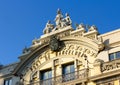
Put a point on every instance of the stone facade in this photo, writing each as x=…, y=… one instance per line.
x=67, y=56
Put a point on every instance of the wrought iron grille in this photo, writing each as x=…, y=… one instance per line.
x=81, y=74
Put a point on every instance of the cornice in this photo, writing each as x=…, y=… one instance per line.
x=25, y=60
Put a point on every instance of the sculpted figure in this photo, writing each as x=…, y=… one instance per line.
x=25, y=50
x=80, y=26
x=68, y=20
x=92, y=28
x=54, y=43
x=49, y=27
x=58, y=18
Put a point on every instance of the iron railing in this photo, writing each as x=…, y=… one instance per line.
x=81, y=74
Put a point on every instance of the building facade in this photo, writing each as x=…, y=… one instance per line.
x=67, y=56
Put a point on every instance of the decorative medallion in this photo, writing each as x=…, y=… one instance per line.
x=54, y=43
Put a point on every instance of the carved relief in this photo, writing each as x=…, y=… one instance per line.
x=70, y=48
x=110, y=65
x=56, y=62
x=77, y=50
x=54, y=43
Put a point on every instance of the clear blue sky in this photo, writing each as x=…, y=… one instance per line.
x=23, y=20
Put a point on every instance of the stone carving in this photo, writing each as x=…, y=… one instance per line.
x=56, y=61
x=110, y=65
x=62, y=22
x=58, y=18
x=25, y=50
x=45, y=56
x=80, y=26
x=77, y=50
x=99, y=61
x=69, y=49
x=54, y=43
x=67, y=21
x=34, y=76
x=92, y=28
x=49, y=27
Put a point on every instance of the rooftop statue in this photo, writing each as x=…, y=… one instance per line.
x=25, y=50
x=66, y=21
x=92, y=28
x=62, y=22
x=58, y=18
x=48, y=28
x=80, y=26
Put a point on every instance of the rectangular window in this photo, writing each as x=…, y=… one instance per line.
x=68, y=72
x=115, y=55
x=8, y=81
x=46, y=77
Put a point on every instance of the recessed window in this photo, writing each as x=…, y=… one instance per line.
x=8, y=81
x=115, y=55
x=46, y=77
x=68, y=72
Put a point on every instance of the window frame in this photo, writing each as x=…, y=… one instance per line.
x=46, y=81
x=70, y=75
x=113, y=56
x=9, y=80
x=44, y=71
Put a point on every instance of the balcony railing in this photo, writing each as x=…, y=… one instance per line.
x=81, y=74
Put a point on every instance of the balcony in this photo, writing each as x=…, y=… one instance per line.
x=78, y=75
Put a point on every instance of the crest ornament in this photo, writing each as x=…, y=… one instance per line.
x=54, y=43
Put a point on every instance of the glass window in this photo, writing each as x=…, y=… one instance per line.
x=8, y=81
x=68, y=72
x=115, y=55
x=46, y=77
x=111, y=56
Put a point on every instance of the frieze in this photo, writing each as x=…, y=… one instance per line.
x=108, y=66
x=77, y=50
x=69, y=49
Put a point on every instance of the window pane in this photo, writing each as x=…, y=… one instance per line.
x=117, y=54
x=10, y=82
x=6, y=82
x=46, y=75
x=72, y=68
x=111, y=56
x=68, y=72
x=50, y=74
x=68, y=68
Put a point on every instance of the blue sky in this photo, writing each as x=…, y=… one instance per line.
x=23, y=20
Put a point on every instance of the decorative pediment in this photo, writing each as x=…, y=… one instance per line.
x=63, y=28
x=61, y=41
